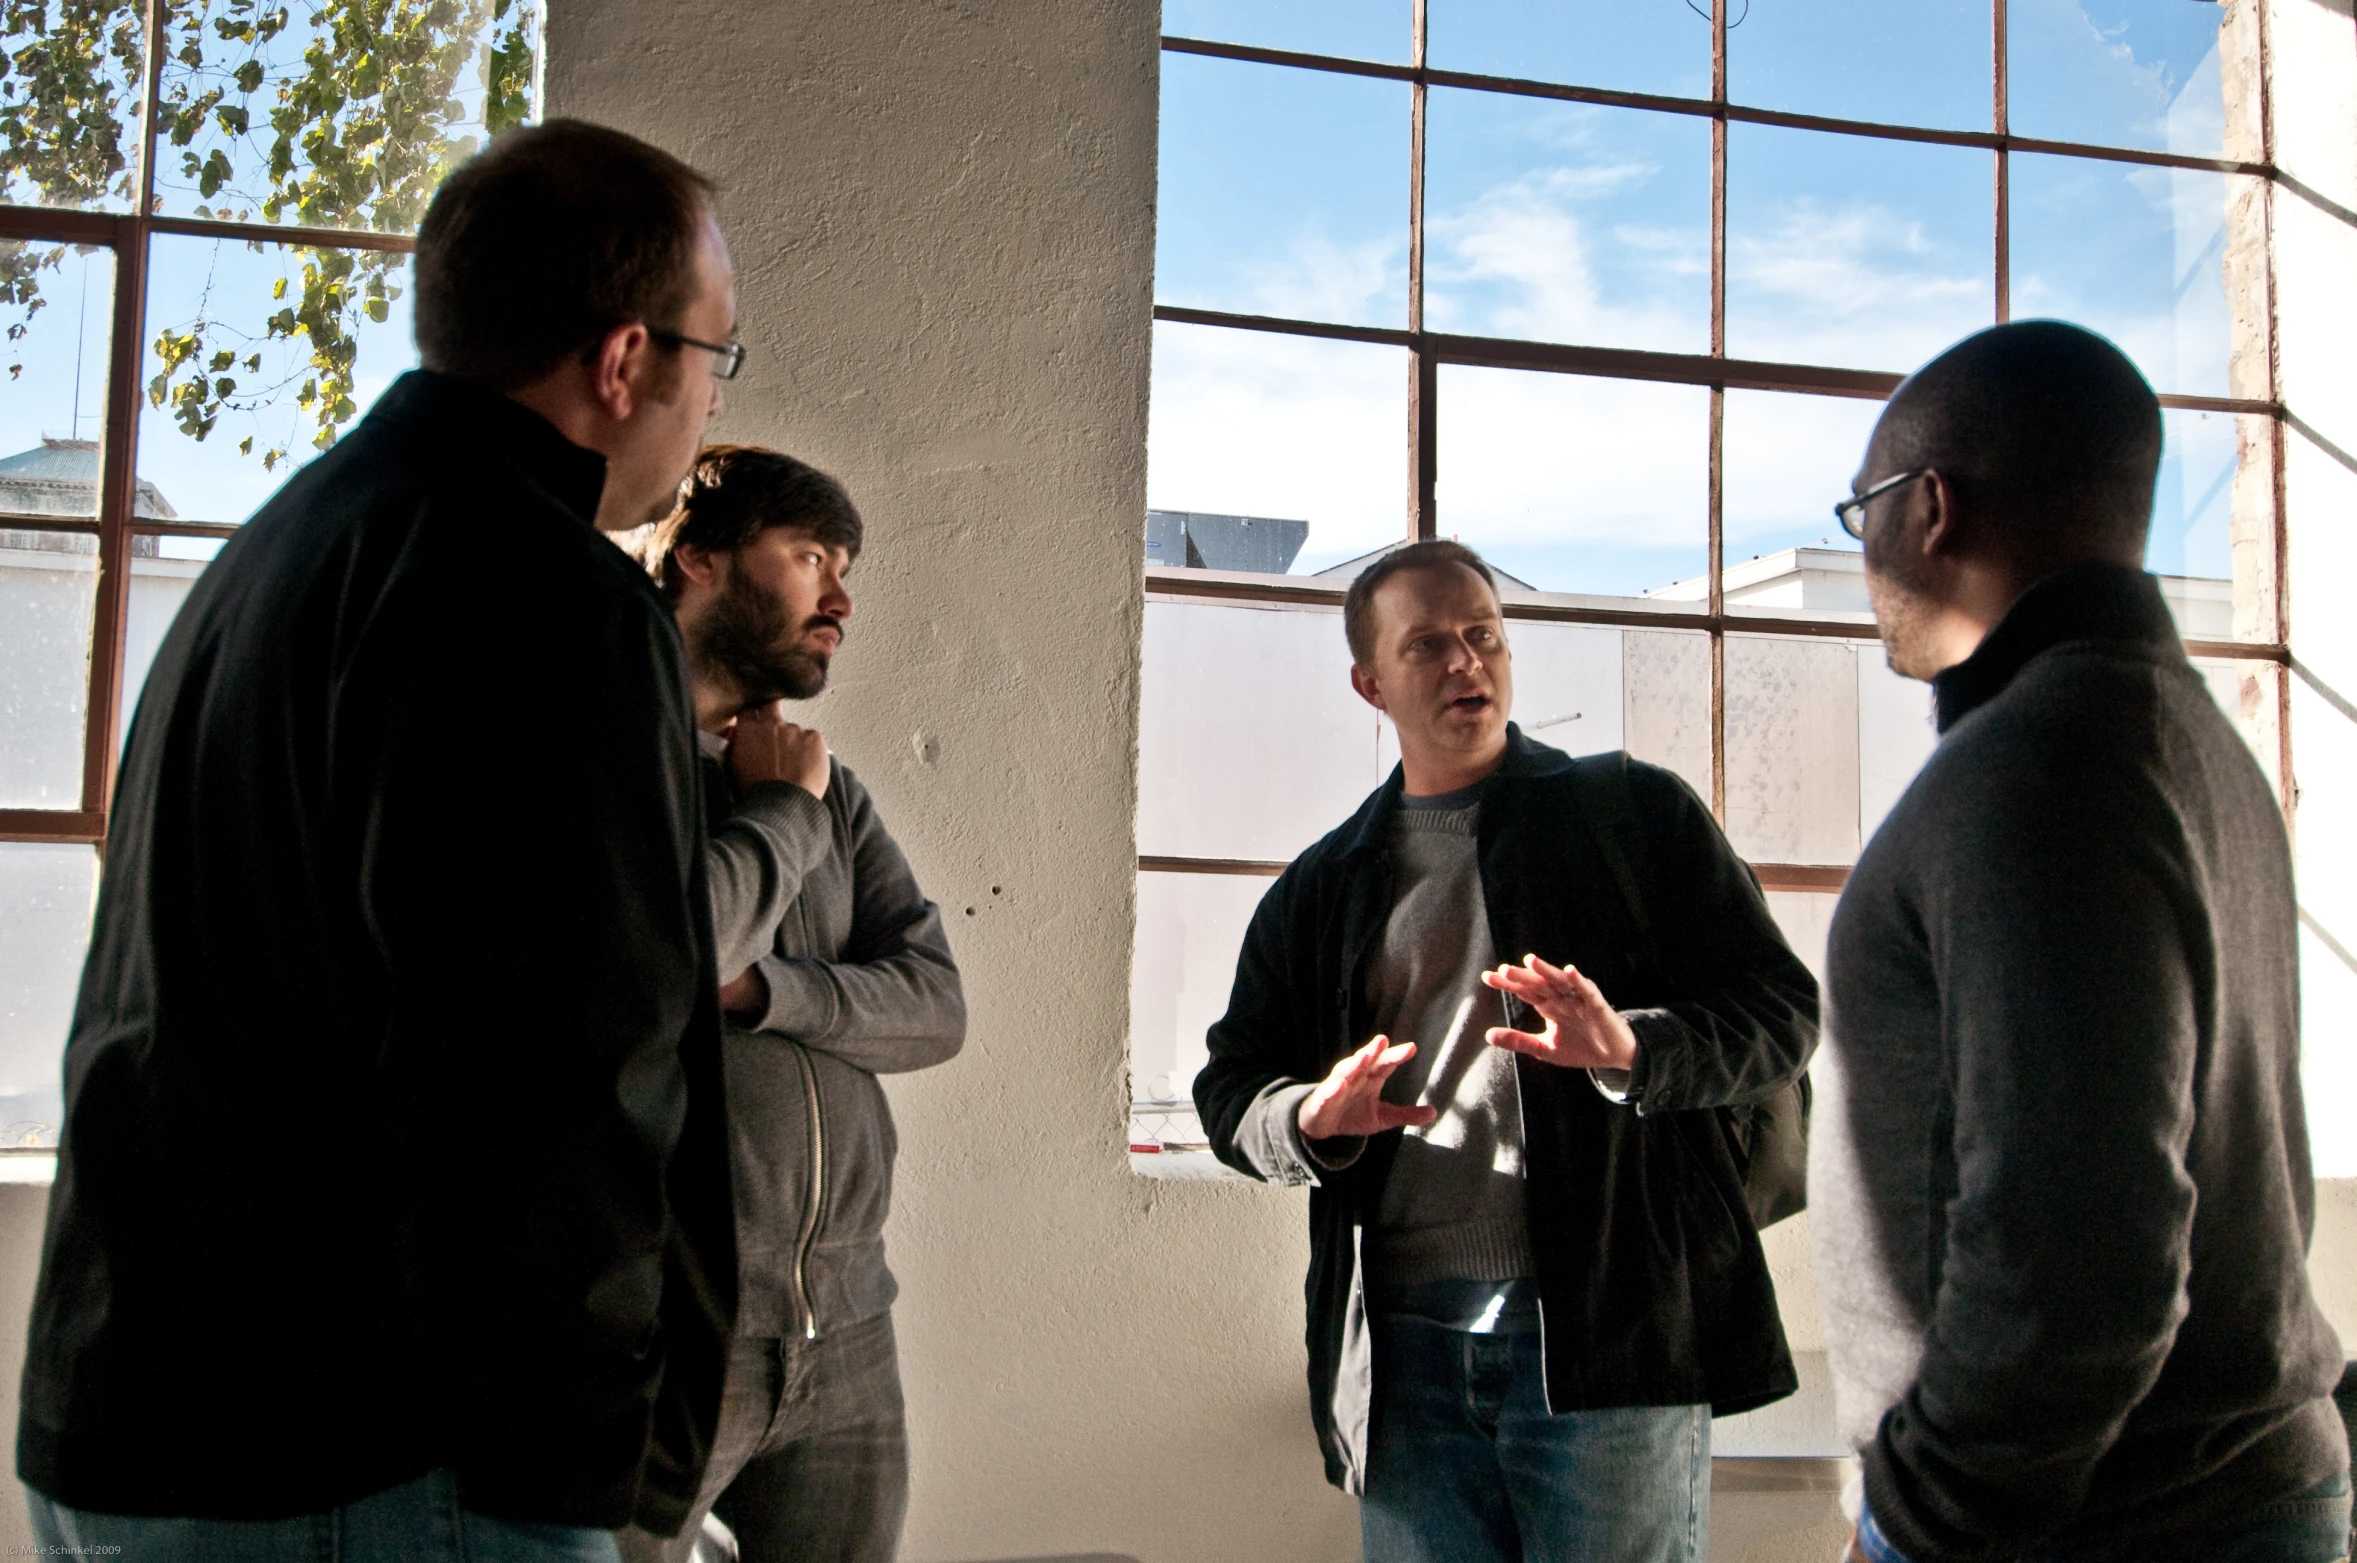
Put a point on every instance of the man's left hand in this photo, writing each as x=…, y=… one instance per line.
x=747, y=994
x=1583, y=1031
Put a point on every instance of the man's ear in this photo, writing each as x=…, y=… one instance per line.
x=1371, y=692
x=1942, y=527
x=702, y=566
x=617, y=370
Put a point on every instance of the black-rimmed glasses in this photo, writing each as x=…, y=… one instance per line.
x=731, y=354
x=1851, y=512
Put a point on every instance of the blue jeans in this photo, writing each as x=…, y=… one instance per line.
x=1465, y=1465
x=417, y=1522
x=810, y=1464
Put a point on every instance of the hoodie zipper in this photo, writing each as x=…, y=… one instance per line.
x=807, y=1315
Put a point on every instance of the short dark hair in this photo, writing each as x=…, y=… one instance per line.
x=1358, y=604
x=549, y=238
x=738, y=492
x=2042, y=426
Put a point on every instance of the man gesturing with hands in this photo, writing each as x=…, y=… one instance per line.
x=1490, y=1145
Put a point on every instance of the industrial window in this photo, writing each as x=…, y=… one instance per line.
x=206, y=210
x=1612, y=292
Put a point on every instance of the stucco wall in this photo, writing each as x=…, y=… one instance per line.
x=942, y=217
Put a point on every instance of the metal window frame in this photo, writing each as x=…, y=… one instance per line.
x=1428, y=350
x=129, y=235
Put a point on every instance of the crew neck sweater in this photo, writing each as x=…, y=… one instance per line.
x=1452, y=1205
x=2059, y=1183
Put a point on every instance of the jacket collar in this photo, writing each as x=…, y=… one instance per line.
x=1525, y=757
x=2084, y=602
x=463, y=415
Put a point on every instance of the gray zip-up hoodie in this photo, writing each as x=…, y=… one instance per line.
x=816, y=894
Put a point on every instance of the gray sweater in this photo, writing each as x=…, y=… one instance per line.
x=2059, y=1178
x=1452, y=1206
x=816, y=894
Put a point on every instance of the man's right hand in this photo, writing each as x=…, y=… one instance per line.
x=765, y=747
x=1350, y=1099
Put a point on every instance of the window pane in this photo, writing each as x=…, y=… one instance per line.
x=45, y=898
x=1925, y=62
x=344, y=116
x=52, y=407
x=1233, y=692
x=275, y=350
x=1787, y=459
x=1571, y=688
x=2133, y=73
x=2248, y=693
x=1562, y=222
x=1354, y=29
x=1895, y=736
x=1190, y=928
x=48, y=593
x=2324, y=759
x=1284, y=192
x=1662, y=49
x=53, y=377
x=1574, y=484
x=69, y=104
x=1792, y=749
x=2141, y=255
x=1855, y=252
x=1250, y=423
x=1665, y=678
x=2193, y=506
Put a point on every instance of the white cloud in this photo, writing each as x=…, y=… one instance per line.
x=1852, y=284
x=1318, y=279
x=1251, y=423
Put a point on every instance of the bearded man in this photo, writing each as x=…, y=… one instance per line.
x=836, y=970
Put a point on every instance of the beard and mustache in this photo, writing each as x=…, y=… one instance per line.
x=747, y=639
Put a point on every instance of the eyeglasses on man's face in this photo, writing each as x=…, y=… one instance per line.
x=730, y=354
x=1851, y=512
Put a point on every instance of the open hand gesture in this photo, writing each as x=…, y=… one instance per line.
x=1583, y=1031
x=1350, y=1099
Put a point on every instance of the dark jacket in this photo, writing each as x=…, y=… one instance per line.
x=817, y=896
x=1652, y=1285
x=393, y=1133
x=2064, y=1202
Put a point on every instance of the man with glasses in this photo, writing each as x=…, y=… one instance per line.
x=2059, y=1177
x=393, y=1200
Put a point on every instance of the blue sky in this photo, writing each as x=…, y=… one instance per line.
x=1285, y=192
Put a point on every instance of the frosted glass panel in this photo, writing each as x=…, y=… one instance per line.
x=45, y=899
x=1251, y=742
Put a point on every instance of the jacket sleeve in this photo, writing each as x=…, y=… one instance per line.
x=2062, y=925
x=893, y=1002
x=1247, y=1095
x=1743, y=1020
x=756, y=862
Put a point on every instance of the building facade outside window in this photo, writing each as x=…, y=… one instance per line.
x=206, y=214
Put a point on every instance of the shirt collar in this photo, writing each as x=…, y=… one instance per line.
x=2083, y=602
